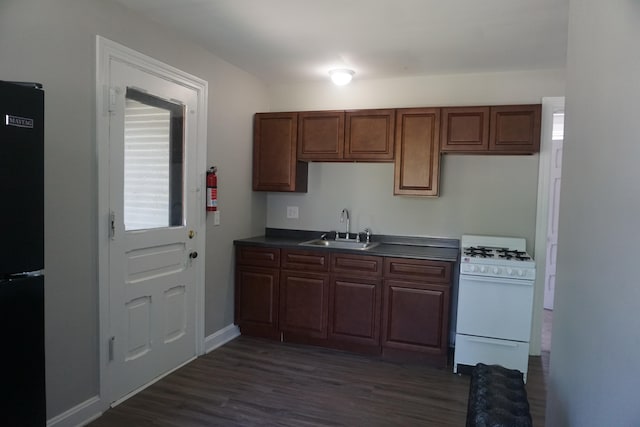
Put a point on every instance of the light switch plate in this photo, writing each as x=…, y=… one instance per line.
x=292, y=212
x=216, y=218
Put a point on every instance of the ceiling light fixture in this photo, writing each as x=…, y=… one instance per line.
x=341, y=76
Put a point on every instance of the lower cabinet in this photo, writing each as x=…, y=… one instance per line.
x=355, y=310
x=416, y=309
x=355, y=294
x=391, y=306
x=257, y=293
x=257, y=290
x=415, y=317
x=304, y=301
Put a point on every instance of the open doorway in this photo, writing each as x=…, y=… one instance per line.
x=546, y=249
x=555, y=176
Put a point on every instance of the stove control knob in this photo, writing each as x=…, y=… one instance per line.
x=496, y=270
x=483, y=269
x=520, y=273
x=472, y=268
x=510, y=272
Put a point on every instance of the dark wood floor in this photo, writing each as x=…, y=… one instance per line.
x=252, y=382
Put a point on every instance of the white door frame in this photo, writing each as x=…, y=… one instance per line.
x=107, y=50
x=550, y=105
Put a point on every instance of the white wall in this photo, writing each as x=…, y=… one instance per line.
x=595, y=348
x=468, y=203
x=53, y=43
x=479, y=194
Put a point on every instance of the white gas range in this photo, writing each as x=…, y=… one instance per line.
x=495, y=299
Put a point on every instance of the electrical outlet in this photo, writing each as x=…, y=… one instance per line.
x=292, y=212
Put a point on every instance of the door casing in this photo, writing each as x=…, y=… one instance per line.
x=550, y=105
x=106, y=51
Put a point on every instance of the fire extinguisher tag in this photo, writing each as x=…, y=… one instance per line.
x=212, y=197
x=212, y=190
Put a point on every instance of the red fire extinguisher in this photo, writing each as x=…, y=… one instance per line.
x=212, y=189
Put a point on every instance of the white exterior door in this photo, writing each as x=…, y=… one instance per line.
x=154, y=203
x=555, y=175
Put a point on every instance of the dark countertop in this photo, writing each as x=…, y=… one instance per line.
x=436, y=249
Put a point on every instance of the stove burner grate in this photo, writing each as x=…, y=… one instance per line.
x=489, y=252
x=513, y=254
x=479, y=251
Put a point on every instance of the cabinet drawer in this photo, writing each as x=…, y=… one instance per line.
x=416, y=269
x=359, y=265
x=471, y=350
x=305, y=260
x=258, y=256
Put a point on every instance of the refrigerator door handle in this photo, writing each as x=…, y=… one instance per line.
x=24, y=275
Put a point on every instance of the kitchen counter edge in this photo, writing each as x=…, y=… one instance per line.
x=428, y=248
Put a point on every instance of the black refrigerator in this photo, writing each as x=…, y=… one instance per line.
x=22, y=382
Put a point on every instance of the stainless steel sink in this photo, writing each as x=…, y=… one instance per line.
x=340, y=244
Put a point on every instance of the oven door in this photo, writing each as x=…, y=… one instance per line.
x=495, y=307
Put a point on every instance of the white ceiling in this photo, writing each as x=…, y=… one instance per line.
x=300, y=40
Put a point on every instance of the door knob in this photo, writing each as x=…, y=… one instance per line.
x=193, y=255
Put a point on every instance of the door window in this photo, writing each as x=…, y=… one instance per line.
x=153, y=162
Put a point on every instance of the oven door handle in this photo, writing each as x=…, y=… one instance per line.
x=496, y=280
x=494, y=342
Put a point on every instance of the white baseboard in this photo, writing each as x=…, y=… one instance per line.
x=79, y=415
x=87, y=411
x=221, y=337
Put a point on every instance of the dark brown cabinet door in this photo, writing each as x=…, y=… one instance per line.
x=275, y=166
x=257, y=301
x=304, y=299
x=515, y=129
x=354, y=310
x=417, y=145
x=416, y=306
x=257, y=290
x=415, y=316
x=355, y=295
x=369, y=135
x=321, y=135
x=465, y=129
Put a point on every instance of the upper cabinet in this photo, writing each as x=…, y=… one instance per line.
x=508, y=129
x=515, y=129
x=321, y=135
x=275, y=165
x=412, y=138
x=362, y=135
x=417, y=160
x=465, y=129
x=369, y=135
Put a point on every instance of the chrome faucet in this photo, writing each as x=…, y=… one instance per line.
x=344, y=216
x=367, y=232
